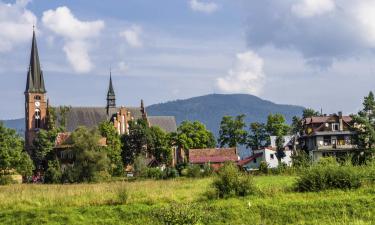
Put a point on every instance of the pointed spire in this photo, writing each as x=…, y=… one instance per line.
x=111, y=97
x=35, y=80
x=110, y=88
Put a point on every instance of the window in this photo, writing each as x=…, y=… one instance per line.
x=37, y=97
x=327, y=140
x=272, y=156
x=255, y=160
x=335, y=126
x=37, y=118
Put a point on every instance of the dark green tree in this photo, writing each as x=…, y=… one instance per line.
x=232, y=131
x=364, y=123
x=258, y=136
x=113, y=148
x=159, y=145
x=42, y=146
x=135, y=142
x=308, y=112
x=91, y=163
x=13, y=158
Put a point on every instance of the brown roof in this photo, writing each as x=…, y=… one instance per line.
x=213, y=155
x=324, y=119
x=249, y=159
x=167, y=123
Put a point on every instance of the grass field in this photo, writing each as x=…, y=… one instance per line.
x=276, y=203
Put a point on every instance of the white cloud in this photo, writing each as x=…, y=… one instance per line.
x=247, y=75
x=205, y=7
x=310, y=8
x=363, y=12
x=16, y=24
x=77, y=55
x=132, y=36
x=76, y=33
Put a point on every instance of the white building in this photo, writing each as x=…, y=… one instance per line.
x=268, y=155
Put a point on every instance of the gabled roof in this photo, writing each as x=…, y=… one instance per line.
x=35, y=80
x=249, y=159
x=212, y=155
x=325, y=119
x=93, y=116
x=167, y=123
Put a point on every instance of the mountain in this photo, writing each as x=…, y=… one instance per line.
x=210, y=109
x=17, y=124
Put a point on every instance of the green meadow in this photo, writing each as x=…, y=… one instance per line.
x=140, y=202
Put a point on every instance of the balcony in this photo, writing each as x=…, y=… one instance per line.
x=337, y=147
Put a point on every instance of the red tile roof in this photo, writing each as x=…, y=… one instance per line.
x=212, y=155
x=249, y=159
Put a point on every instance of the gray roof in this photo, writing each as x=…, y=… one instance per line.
x=167, y=123
x=92, y=116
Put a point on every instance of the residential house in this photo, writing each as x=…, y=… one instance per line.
x=330, y=135
x=216, y=157
x=268, y=155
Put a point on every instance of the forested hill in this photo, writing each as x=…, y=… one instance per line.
x=210, y=109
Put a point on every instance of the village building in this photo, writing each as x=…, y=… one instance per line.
x=215, y=157
x=37, y=105
x=269, y=155
x=328, y=135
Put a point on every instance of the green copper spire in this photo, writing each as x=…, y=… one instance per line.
x=111, y=97
x=35, y=80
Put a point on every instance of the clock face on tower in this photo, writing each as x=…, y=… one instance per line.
x=37, y=104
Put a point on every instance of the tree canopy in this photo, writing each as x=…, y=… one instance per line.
x=192, y=135
x=12, y=154
x=232, y=131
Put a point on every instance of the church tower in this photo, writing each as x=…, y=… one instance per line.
x=35, y=98
x=111, y=97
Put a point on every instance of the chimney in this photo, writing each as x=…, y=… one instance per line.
x=341, y=126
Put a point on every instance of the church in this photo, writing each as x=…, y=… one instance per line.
x=37, y=104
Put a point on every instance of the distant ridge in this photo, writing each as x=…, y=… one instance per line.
x=209, y=109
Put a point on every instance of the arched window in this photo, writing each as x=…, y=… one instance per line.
x=37, y=118
x=37, y=97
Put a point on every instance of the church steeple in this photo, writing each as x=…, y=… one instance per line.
x=111, y=97
x=35, y=80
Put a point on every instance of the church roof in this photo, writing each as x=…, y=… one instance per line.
x=35, y=80
x=93, y=116
x=167, y=123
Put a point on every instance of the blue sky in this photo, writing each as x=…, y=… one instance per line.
x=315, y=53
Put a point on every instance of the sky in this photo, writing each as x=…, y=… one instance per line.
x=314, y=53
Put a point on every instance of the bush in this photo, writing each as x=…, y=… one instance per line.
x=207, y=170
x=231, y=182
x=328, y=174
x=153, y=173
x=170, y=173
x=194, y=171
x=179, y=214
x=263, y=167
x=6, y=179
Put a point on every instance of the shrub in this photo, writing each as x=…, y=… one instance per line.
x=194, y=171
x=207, y=170
x=231, y=182
x=328, y=174
x=184, y=172
x=154, y=173
x=179, y=214
x=6, y=179
x=170, y=173
x=263, y=167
